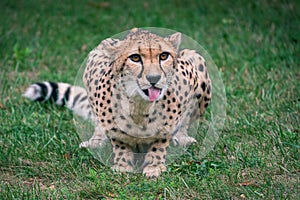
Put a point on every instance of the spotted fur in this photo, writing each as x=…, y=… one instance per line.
x=144, y=91
x=141, y=92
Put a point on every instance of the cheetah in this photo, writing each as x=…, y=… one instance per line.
x=142, y=92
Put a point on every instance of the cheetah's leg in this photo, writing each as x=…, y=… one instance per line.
x=155, y=158
x=97, y=140
x=182, y=139
x=123, y=156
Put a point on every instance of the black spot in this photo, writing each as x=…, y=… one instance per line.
x=129, y=163
x=94, y=71
x=128, y=126
x=83, y=98
x=198, y=96
x=123, y=147
x=154, y=149
x=208, y=89
x=206, y=99
x=158, y=158
x=203, y=86
x=201, y=68
x=154, y=112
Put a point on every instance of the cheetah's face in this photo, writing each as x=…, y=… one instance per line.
x=152, y=69
x=148, y=64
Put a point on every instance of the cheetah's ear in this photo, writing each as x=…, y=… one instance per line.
x=110, y=46
x=175, y=40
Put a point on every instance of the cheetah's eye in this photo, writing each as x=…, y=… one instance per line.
x=164, y=56
x=135, y=57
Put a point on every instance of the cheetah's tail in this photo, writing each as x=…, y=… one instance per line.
x=62, y=94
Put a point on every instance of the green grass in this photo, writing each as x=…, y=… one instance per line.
x=255, y=44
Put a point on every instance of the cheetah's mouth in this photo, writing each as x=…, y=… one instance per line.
x=152, y=93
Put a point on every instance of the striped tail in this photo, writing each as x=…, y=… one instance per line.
x=62, y=94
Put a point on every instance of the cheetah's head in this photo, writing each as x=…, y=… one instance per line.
x=145, y=62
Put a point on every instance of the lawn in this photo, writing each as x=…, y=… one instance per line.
x=256, y=46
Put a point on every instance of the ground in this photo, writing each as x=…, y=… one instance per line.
x=254, y=44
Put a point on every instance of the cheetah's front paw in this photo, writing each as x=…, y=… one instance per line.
x=93, y=143
x=183, y=141
x=121, y=168
x=153, y=171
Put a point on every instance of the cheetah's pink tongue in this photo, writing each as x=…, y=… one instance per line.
x=153, y=93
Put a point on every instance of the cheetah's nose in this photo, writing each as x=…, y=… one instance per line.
x=153, y=79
